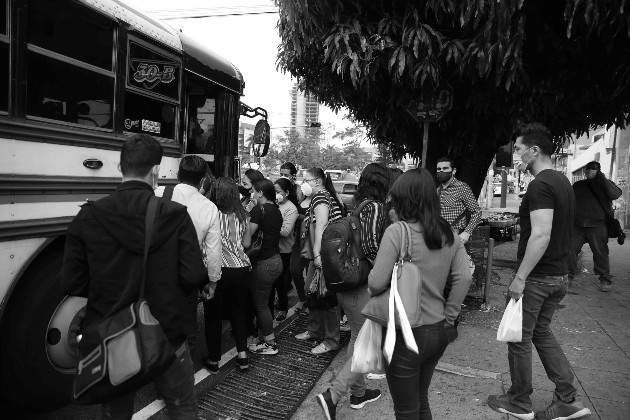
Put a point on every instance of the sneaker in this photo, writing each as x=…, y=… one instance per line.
x=325, y=400
x=266, y=348
x=242, y=363
x=281, y=316
x=321, y=348
x=253, y=343
x=605, y=287
x=343, y=325
x=502, y=404
x=209, y=365
x=369, y=396
x=559, y=410
x=376, y=376
x=306, y=336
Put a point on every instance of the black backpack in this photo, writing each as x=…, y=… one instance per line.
x=345, y=266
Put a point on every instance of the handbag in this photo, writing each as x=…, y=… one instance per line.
x=254, y=250
x=127, y=349
x=368, y=356
x=408, y=286
x=511, y=327
x=613, y=227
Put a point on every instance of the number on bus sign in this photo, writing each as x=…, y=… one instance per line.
x=151, y=73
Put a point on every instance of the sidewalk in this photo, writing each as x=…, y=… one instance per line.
x=591, y=326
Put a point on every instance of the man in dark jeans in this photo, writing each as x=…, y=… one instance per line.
x=541, y=281
x=104, y=252
x=590, y=221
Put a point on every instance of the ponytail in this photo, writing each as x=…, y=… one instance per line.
x=328, y=184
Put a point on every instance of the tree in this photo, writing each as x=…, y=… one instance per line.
x=562, y=63
x=301, y=149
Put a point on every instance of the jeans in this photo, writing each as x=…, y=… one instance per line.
x=281, y=285
x=296, y=268
x=228, y=303
x=323, y=324
x=540, y=298
x=352, y=303
x=176, y=386
x=597, y=239
x=264, y=274
x=409, y=374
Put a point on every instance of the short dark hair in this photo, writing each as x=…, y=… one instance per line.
x=447, y=159
x=192, y=169
x=139, y=154
x=254, y=175
x=591, y=165
x=290, y=166
x=266, y=187
x=535, y=134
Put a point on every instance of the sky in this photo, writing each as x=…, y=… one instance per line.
x=250, y=42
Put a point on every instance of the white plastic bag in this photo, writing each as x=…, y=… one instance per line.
x=367, y=356
x=395, y=304
x=511, y=327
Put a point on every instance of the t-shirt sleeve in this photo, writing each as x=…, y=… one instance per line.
x=541, y=196
x=318, y=199
x=256, y=215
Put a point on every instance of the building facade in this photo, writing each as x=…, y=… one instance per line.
x=304, y=109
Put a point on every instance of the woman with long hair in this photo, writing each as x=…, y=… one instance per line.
x=232, y=289
x=247, y=187
x=324, y=208
x=287, y=203
x=266, y=219
x=439, y=254
x=370, y=199
x=299, y=264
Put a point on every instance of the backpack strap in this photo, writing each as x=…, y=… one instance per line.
x=357, y=210
x=168, y=192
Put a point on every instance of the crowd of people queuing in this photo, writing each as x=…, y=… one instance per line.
x=240, y=248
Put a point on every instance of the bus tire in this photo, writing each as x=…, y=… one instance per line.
x=28, y=378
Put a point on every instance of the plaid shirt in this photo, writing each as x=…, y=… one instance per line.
x=454, y=199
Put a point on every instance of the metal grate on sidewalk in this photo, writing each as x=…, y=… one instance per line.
x=275, y=385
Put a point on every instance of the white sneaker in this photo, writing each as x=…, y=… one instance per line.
x=266, y=348
x=376, y=376
x=252, y=343
x=321, y=349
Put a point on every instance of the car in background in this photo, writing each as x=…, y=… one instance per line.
x=346, y=191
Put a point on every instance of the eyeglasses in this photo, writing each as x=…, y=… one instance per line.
x=309, y=180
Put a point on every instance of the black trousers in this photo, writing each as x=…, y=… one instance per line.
x=228, y=303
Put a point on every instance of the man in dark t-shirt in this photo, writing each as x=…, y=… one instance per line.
x=546, y=212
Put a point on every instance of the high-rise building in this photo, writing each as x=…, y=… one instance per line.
x=304, y=109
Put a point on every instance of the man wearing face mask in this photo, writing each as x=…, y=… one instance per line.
x=591, y=194
x=288, y=171
x=541, y=280
x=456, y=200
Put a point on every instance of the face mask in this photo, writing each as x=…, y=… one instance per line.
x=524, y=166
x=279, y=198
x=244, y=191
x=444, y=176
x=306, y=188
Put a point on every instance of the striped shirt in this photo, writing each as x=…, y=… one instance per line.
x=454, y=199
x=374, y=220
x=324, y=197
x=232, y=231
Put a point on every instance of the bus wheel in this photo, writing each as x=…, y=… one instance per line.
x=28, y=377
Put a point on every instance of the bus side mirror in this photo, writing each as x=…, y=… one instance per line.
x=262, y=138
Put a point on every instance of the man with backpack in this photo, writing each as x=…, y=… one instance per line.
x=349, y=247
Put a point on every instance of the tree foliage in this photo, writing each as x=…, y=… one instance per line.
x=562, y=63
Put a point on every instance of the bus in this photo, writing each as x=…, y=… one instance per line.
x=77, y=78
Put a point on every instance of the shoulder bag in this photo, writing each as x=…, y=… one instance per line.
x=254, y=251
x=613, y=226
x=127, y=349
x=406, y=276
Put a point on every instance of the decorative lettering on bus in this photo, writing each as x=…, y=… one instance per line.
x=160, y=77
x=151, y=126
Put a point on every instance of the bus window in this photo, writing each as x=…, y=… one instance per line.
x=201, y=119
x=68, y=29
x=148, y=115
x=69, y=65
x=4, y=56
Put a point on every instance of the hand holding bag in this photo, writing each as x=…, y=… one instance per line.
x=511, y=327
x=127, y=349
x=368, y=356
x=254, y=250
